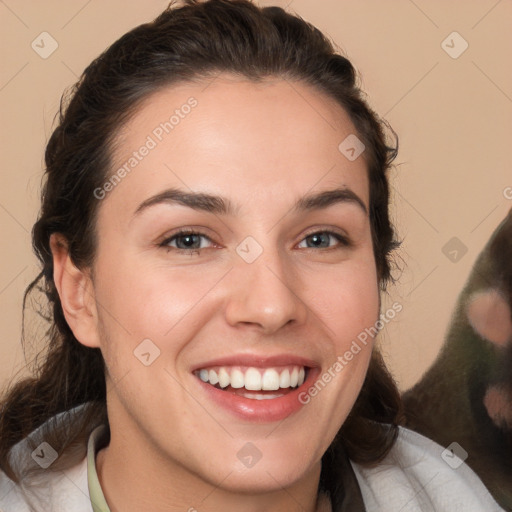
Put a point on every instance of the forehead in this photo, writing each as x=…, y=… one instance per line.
x=272, y=141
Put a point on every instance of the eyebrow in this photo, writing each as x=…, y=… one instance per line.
x=222, y=206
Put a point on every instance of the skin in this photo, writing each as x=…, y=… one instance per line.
x=262, y=146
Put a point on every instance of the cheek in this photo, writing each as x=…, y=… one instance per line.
x=348, y=307
x=151, y=300
x=349, y=301
x=354, y=311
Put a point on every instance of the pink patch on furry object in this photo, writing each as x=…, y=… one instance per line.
x=489, y=314
x=498, y=402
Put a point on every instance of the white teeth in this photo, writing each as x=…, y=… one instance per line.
x=237, y=379
x=256, y=396
x=294, y=377
x=284, y=379
x=270, y=380
x=212, y=377
x=302, y=375
x=224, y=379
x=254, y=379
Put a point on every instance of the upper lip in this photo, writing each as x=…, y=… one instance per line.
x=257, y=361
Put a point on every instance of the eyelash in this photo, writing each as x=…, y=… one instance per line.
x=343, y=241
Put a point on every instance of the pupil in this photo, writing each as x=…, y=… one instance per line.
x=317, y=239
x=188, y=241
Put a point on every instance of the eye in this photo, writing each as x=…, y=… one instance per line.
x=191, y=242
x=186, y=241
x=322, y=240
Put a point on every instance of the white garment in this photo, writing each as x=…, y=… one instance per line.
x=412, y=478
x=63, y=491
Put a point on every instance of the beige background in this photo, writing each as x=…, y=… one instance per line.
x=453, y=116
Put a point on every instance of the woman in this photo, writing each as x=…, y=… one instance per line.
x=214, y=237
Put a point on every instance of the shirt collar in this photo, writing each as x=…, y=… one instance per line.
x=97, y=440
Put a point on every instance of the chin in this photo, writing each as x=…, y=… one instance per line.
x=266, y=477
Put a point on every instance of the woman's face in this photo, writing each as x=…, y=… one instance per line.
x=274, y=284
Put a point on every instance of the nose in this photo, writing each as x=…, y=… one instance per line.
x=265, y=294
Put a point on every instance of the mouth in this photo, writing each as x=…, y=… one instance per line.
x=259, y=390
x=255, y=383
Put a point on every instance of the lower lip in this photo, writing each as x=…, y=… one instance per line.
x=261, y=411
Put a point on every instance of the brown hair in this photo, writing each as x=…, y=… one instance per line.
x=194, y=41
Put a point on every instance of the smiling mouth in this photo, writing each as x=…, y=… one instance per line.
x=255, y=383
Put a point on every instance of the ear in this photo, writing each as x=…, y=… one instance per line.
x=76, y=292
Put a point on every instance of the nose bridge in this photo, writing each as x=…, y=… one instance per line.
x=263, y=290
